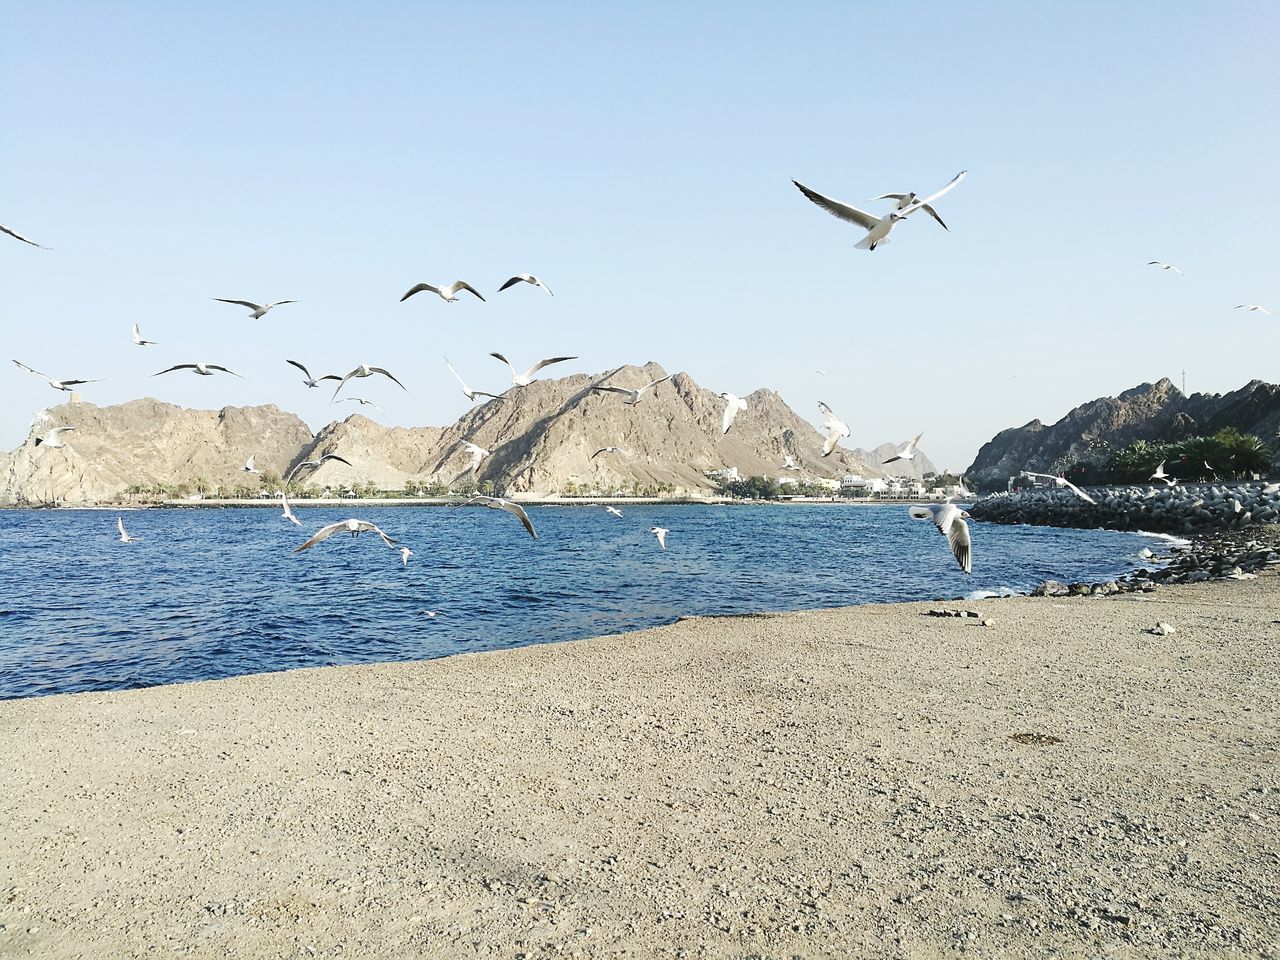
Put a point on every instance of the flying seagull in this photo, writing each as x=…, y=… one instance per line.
x=448, y=294
x=315, y=463
x=256, y=310
x=467, y=391
x=137, y=338
x=309, y=380
x=877, y=228
x=498, y=503
x=364, y=370
x=362, y=401
x=633, y=396
x=124, y=537
x=288, y=510
x=17, y=236
x=525, y=278
x=661, y=534
x=405, y=554
x=605, y=450
x=1063, y=483
x=248, y=464
x=1253, y=308
x=732, y=405
x=789, y=462
x=66, y=386
x=1161, y=475
x=526, y=378
x=835, y=427
x=907, y=451
x=950, y=521
x=201, y=369
x=477, y=454
x=1164, y=266
x=353, y=527
x=906, y=200
x=53, y=439
x=614, y=511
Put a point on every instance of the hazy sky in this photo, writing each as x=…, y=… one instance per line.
x=640, y=160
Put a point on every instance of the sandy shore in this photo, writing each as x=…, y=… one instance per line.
x=838, y=783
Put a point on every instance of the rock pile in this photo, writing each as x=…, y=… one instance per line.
x=1195, y=508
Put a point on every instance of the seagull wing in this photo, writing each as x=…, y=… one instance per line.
x=957, y=533
x=622, y=390
x=17, y=236
x=387, y=373
x=546, y=363
x=31, y=369
x=418, y=288
x=214, y=366
x=288, y=511
x=891, y=196
x=512, y=282
x=239, y=303
x=654, y=383
x=498, y=356
x=457, y=285
x=178, y=366
x=462, y=383
x=324, y=533
x=365, y=525
x=662, y=538
x=934, y=196
x=120, y=525
x=516, y=510
x=301, y=367
x=838, y=209
x=1077, y=491
x=334, y=456
x=342, y=383
x=278, y=302
x=928, y=208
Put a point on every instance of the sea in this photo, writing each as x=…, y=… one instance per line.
x=209, y=592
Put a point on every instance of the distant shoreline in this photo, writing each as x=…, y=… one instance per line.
x=274, y=502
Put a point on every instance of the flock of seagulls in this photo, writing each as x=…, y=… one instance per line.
x=1250, y=307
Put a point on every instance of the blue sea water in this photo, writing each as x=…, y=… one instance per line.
x=218, y=592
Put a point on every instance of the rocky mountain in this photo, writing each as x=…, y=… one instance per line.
x=1157, y=412
x=541, y=439
x=915, y=468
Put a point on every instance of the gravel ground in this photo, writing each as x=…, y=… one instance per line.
x=838, y=783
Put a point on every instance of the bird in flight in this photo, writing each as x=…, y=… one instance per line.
x=1062, y=483
x=950, y=521
x=288, y=510
x=467, y=391
x=66, y=386
x=661, y=534
x=448, y=294
x=632, y=397
x=614, y=511
x=1161, y=475
x=789, y=462
x=906, y=200
x=525, y=278
x=477, y=454
x=200, y=369
x=878, y=228
x=256, y=310
x=309, y=380
x=526, y=378
x=405, y=554
x=53, y=439
x=907, y=451
x=1253, y=308
x=835, y=427
x=353, y=527
x=364, y=370
x=362, y=401
x=315, y=463
x=124, y=537
x=732, y=405
x=498, y=503
x=17, y=236
x=137, y=338
x=605, y=450
x=1164, y=266
x=249, y=464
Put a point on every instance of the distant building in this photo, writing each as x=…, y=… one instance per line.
x=726, y=475
x=853, y=485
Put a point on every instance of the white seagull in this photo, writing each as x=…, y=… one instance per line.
x=448, y=294
x=1161, y=475
x=789, y=462
x=526, y=378
x=1253, y=308
x=477, y=454
x=256, y=310
x=53, y=439
x=906, y=200
x=200, y=369
x=1063, y=483
x=362, y=401
x=1164, y=266
x=137, y=338
x=613, y=510
x=907, y=451
x=353, y=527
x=17, y=236
x=405, y=554
x=309, y=380
x=632, y=397
x=288, y=510
x=124, y=537
x=315, y=463
x=605, y=450
x=467, y=391
x=364, y=370
x=498, y=503
x=877, y=228
x=661, y=534
x=66, y=386
x=525, y=278
x=732, y=405
x=835, y=427
x=950, y=521
x=249, y=466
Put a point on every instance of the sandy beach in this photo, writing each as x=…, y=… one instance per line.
x=834, y=783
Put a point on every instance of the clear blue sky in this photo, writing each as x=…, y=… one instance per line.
x=640, y=161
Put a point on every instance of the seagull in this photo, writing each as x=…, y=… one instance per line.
x=1161, y=475
x=661, y=534
x=316, y=463
x=477, y=454
x=907, y=451
x=526, y=378
x=256, y=310
x=431, y=614
x=613, y=510
x=17, y=236
x=362, y=401
x=1164, y=266
x=632, y=397
x=525, y=278
x=467, y=391
x=498, y=503
x=288, y=510
x=201, y=369
x=877, y=228
x=1063, y=483
x=448, y=294
x=353, y=527
x=906, y=200
x=124, y=537
x=405, y=554
x=1253, y=308
x=732, y=405
x=821, y=373
x=137, y=338
x=248, y=464
x=66, y=386
x=53, y=439
x=364, y=370
x=311, y=381
x=835, y=427
x=950, y=521
x=605, y=450
x=789, y=462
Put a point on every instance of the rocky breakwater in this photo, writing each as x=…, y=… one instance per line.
x=1191, y=509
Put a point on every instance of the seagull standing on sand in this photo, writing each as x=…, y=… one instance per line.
x=907, y=451
x=256, y=310
x=467, y=391
x=613, y=511
x=309, y=380
x=1253, y=308
x=632, y=397
x=1164, y=266
x=732, y=405
x=448, y=294
x=288, y=510
x=200, y=369
x=498, y=503
x=525, y=278
x=17, y=236
x=526, y=378
x=66, y=386
x=661, y=534
x=878, y=228
x=364, y=370
x=1062, y=483
x=137, y=338
x=315, y=463
x=1161, y=475
x=477, y=454
x=53, y=439
x=124, y=537
x=835, y=427
x=950, y=521
x=353, y=527
x=405, y=554
x=248, y=464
